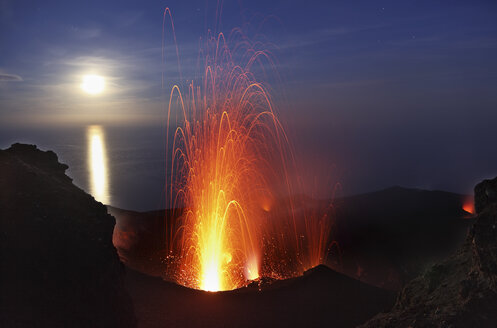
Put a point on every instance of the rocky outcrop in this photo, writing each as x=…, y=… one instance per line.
x=462, y=290
x=485, y=194
x=58, y=267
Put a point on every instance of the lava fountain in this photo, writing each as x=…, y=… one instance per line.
x=228, y=163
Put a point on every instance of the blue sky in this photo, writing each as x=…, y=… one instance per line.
x=382, y=84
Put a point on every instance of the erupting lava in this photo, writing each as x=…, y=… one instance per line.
x=228, y=161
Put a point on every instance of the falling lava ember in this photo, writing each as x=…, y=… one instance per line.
x=228, y=161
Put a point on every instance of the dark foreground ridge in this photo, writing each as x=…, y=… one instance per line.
x=58, y=267
x=320, y=298
x=462, y=290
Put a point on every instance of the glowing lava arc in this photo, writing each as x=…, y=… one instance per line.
x=228, y=151
x=224, y=157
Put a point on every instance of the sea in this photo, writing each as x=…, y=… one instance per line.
x=122, y=166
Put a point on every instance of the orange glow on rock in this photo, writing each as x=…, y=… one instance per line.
x=469, y=206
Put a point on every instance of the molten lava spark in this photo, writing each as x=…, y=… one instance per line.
x=230, y=156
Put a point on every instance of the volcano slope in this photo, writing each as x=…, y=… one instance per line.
x=386, y=238
x=462, y=290
x=320, y=298
x=58, y=266
x=391, y=236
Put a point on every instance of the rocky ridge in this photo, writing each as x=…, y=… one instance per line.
x=462, y=290
x=59, y=267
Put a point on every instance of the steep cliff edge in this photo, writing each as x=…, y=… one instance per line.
x=462, y=290
x=58, y=267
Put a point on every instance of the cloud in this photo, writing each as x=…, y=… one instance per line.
x=10, y=78
x=85, y=33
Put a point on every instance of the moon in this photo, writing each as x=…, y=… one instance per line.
x=93, y=84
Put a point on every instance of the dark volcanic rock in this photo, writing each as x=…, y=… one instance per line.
x=485, y=194
x=58, y=267
x=389, y=237
x=462, y=290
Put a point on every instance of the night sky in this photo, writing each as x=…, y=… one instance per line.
x=378, y=93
